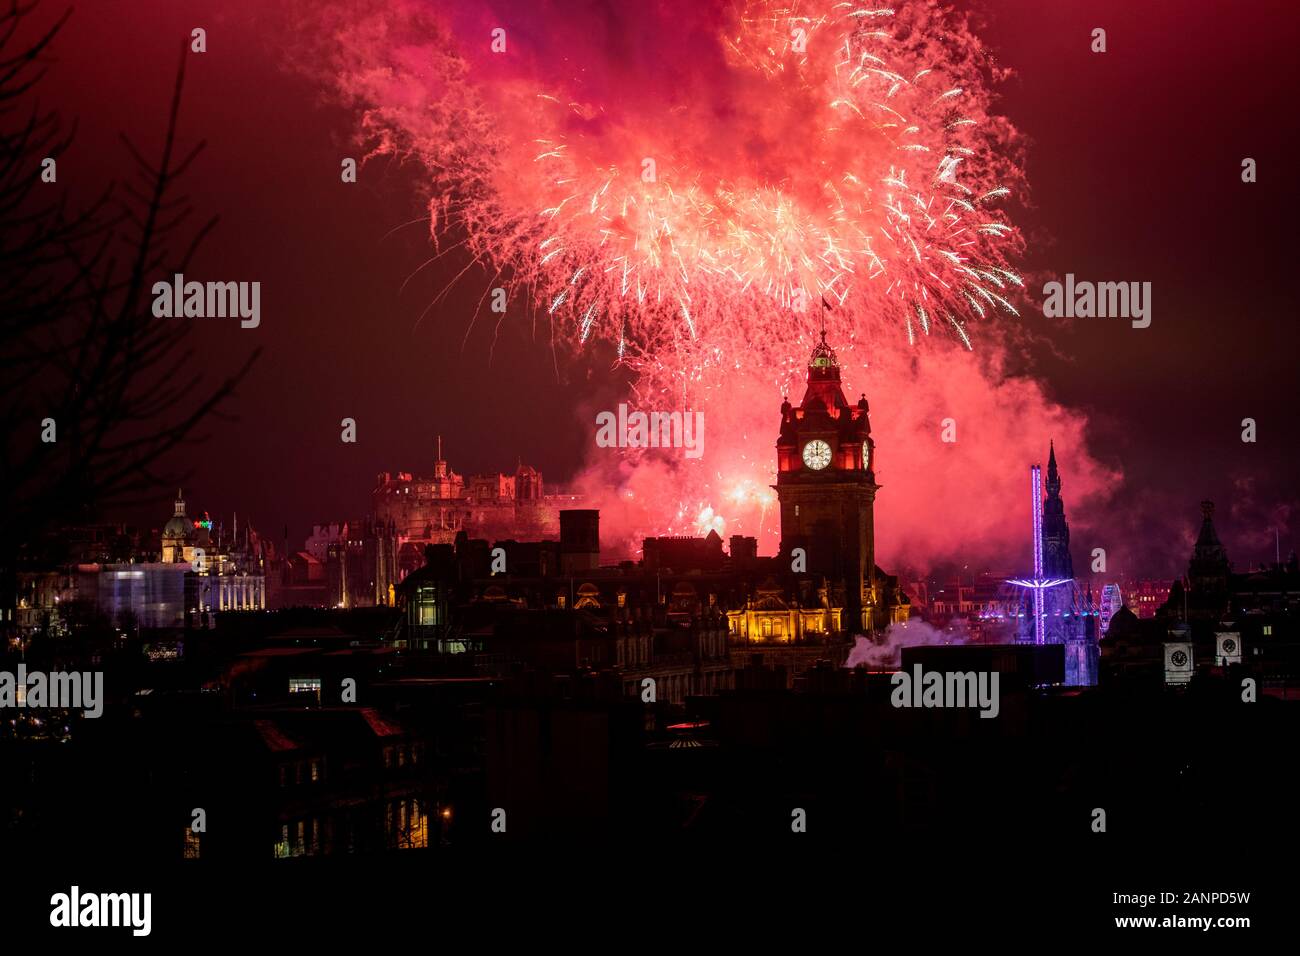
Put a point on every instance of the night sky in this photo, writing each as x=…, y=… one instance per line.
x=1134, y=163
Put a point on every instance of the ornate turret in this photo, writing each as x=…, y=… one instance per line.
x=824, y=389
x=823, y=356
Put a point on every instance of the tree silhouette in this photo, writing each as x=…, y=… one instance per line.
x=78, y=342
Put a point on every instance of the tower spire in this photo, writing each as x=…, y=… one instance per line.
x=1053, y=475
x=1208, y=538
x=1056, y=531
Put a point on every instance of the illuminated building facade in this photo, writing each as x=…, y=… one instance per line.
x=1146, y=597
x=198, y=574
x=774, y=618
x=151, y=594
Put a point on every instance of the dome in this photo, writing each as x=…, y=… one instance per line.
x=1123, y=623
x=178, y=525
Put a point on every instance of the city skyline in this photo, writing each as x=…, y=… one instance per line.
x=1171, y=564
x=606, y=470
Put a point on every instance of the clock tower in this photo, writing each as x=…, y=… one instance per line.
x=826, y=485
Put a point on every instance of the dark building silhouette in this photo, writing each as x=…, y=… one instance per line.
x=683, y=553
x=1208, y=570
x=579, y=540
x=1057, y=562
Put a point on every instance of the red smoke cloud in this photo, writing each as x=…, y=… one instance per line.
x=966, y=500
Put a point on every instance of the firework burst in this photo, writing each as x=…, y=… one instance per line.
x=855, y=162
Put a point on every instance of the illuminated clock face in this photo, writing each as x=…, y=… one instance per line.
x=816, y=454
x=866, y=456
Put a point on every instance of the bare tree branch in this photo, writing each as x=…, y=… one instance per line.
x=78, y=341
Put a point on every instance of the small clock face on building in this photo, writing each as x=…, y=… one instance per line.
x=816, y=454
x=1178, y=659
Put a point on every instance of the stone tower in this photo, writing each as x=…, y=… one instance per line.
x=826, y=486
x=1056, y=532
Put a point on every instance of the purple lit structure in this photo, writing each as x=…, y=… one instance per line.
x=1037, y=584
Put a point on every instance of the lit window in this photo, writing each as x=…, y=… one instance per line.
x=427, y=606
x=304, y=685
x=282, y=845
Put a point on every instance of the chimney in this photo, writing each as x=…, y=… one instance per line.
x=579, y=540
